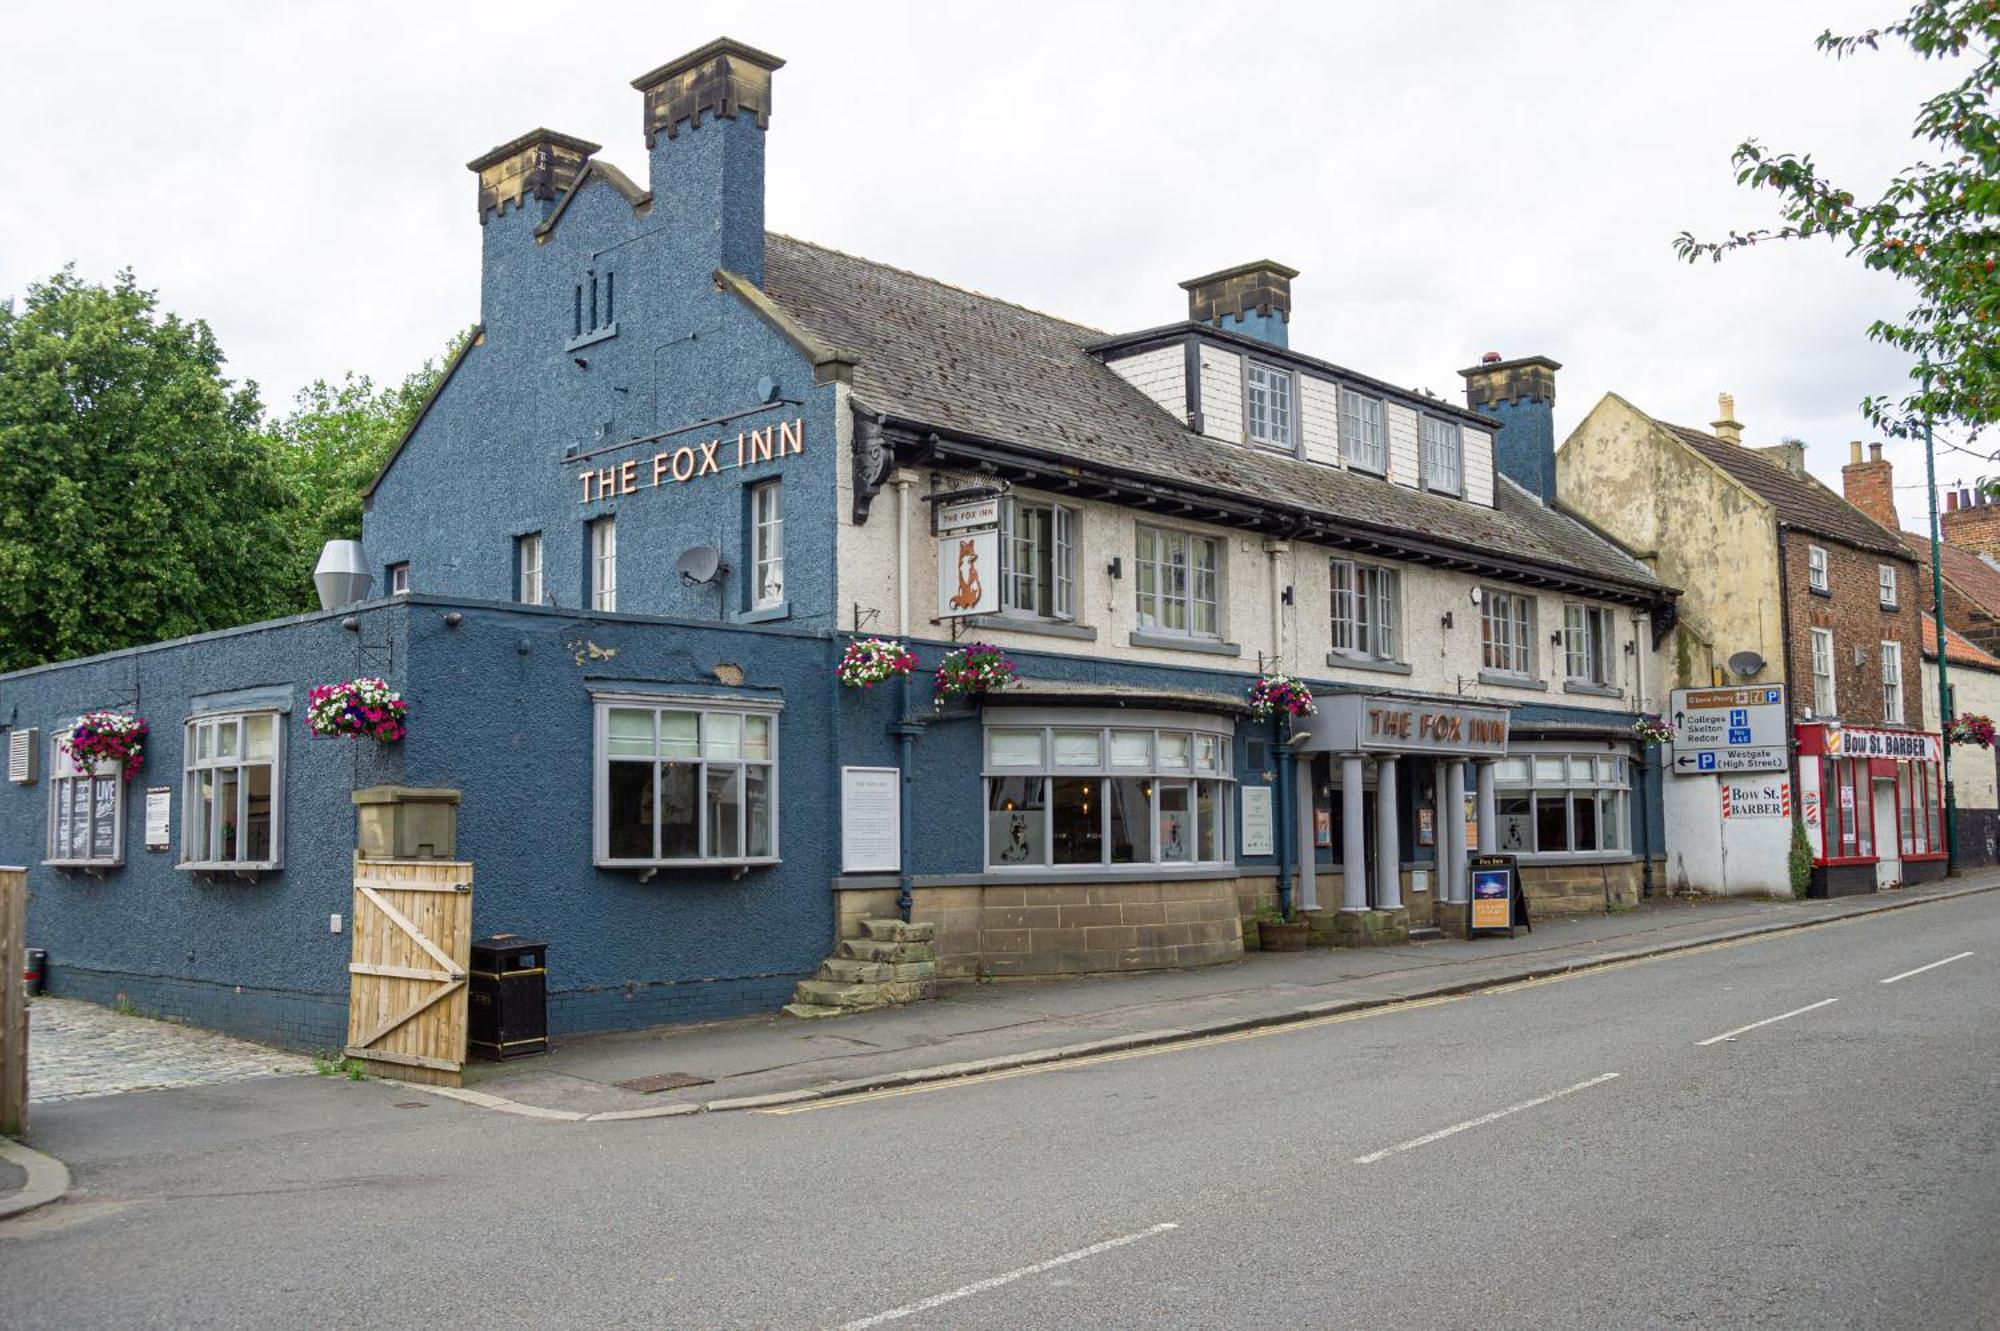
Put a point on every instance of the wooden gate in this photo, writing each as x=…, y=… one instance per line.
x=13, y=1006
x=406, y=983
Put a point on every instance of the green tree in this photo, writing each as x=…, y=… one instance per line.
x=138, y=500
x=1935, y=225
x=336, y=437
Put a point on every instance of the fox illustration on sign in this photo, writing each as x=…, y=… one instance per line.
x=969, y=588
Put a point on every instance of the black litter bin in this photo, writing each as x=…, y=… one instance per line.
x=35, y=973
x=508, y=997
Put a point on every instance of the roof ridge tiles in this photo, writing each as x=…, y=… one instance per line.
x=926, y=278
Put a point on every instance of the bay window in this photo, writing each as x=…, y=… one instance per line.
x=686, y=782
x=232, y=792
x=1562, y=804
x=1178, y=580
x=86, y=809
x=1083, y=795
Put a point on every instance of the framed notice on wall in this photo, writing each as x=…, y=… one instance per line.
x=871, y=820
x=159, y=817
x=1256, y=820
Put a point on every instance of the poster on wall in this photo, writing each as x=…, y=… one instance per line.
x=1323, y=828
x=871, y=824
x=159, y=816
x=1257, y=820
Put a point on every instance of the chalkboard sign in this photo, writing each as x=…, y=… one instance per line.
x=104, y=823
x=1495, y=882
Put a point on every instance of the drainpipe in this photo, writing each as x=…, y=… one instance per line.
x=1281, y=755
x=1641, y=626
x=905, y=730
x=902, y=484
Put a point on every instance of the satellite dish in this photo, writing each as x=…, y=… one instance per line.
x=1746, y=663
x=699, y=564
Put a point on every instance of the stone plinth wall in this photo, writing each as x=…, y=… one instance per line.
x=1074, y=928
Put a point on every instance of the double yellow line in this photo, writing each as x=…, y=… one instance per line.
x=1289, y=1027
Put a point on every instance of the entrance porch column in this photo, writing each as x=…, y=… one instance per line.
x=1451, y=837
x=1353, y=836
x=1489, y=822
x=1302, y=778
x=1388, y=838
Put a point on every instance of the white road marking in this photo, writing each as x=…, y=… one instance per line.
x=1921, y=969
x=1481, y=1121
x=1731, y=1035
x=981, y=1286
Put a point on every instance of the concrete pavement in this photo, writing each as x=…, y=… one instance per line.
x=1456, y=1161
x=977, y=1027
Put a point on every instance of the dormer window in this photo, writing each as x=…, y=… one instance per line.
x=594, y=308
x=1268, y=405
x=1444, y=457
x=1362, y=444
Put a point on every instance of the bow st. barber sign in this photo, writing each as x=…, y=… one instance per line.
x=1718, y=731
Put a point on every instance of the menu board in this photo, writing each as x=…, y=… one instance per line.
x=79, y=821
x=104, y=825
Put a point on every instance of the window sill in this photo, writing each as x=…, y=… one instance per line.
x=249, y=873
x=1083, y=873
x=1048, y=628
x=1174, y=642
x=763, y=614
x=95, y=868
x=1584, y=686
x=1890, y=607
x=1374, y=663
x=646, y=869
x=594, y=336
x=1820, y=591
x=1508, y=680
x=1553, y=858
x=1379, y=473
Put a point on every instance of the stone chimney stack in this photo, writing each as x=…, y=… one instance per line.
x=1521, y=395
x=1974, y=524
x=1254, y=299
x=1871, y=485
x=1728, y=428
x=705, y=115
x=537, y=168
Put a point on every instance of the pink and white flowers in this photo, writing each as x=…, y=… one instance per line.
x=869, y=661
x=360, y=708
x=108, y=737
x=1280, y=693
x=1970, y=728
x=977, y=667
x=1652, y=729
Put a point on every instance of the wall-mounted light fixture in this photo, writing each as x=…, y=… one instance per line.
x=453, y=619
x=1116, y=568
x=351, y=624
x=1286, y=596
x=1445, y=621
x=581, y=363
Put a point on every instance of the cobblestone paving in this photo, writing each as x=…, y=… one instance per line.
x=77, y=1049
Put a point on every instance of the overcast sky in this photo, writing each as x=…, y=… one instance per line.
x=1450, y=178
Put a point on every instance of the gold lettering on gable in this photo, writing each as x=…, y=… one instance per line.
x=687, y=462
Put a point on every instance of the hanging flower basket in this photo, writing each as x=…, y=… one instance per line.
x=978, y=667
x=1651, y=729
x=1272, y=694
x=359, y=709
x=1970, y=728
x=869, y=661
x=108, y=737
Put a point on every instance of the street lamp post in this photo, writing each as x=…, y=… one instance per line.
x=1937, y=616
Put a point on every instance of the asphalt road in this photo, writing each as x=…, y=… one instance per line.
x=1469, y=1162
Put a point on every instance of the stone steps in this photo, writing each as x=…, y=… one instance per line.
x=891, y=962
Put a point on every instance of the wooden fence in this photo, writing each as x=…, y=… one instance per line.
x=13, y=1004
x=406, y=987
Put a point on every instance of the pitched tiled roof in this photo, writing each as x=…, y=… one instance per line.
x=1800, y=501
x=1972, y=575
x=1962, y=651
x=968, y=363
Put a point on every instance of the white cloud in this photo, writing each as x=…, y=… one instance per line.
x=1450, y=178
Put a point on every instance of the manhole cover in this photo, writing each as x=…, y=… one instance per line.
x=664, y=1081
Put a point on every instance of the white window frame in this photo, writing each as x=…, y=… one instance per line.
x=1364, y=432
x=1513, y=614
x=1168, y=573
x=194, y=762
x=1604, y=778
x=528, y=568
x=604, y=563
x=1816, y=569
x=1825, y=697
x=66, y=774
x=1443, y=454
x=1270, y=405
x=1053, y=598
x=1588, y=635
x=1892, y=681
x=399, y=579
x=1885, y=576
x=1163, y=731
x=1365, y=609
x=767, y=544
x=703, y=707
